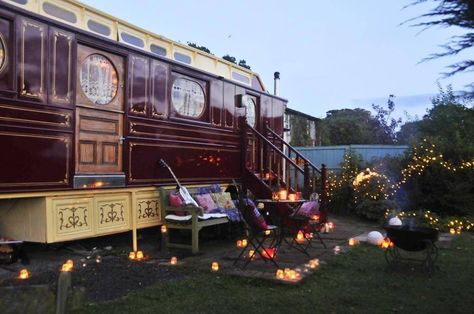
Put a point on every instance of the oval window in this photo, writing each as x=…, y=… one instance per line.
x=249, y=104
x=98, y=79
x=188, y=98
x=2, y=53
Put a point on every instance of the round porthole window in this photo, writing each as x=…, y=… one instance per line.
x=249, y=104
x=2, y=53
x=98, y=79
x=188, y=98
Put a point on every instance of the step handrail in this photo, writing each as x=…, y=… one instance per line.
x=266, y=141
x=291, y=148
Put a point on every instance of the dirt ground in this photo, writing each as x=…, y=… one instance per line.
x=101, y=265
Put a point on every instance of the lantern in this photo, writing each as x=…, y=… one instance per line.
x=67, y=267
x=282, y=195
x=395, y=221
x=132, y=256
x=452, y=231
x=268, y=232
x=239, y=243
x=375, y=238
x=386, y=243
x=292, y=274
x=269, y=252
x=315, y=217
x=174, y=260
x=24, y=274
x=251, y=254
x=292, y=197
x=215, y=266
x=337, y=250
x=313, y=263
x=275, y=196
x=280, y=274
x=139, y=255
x=300, y=236
x=353, y=242
x=164, y=229
x=244, y=243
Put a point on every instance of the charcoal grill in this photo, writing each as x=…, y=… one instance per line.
x=412, y=239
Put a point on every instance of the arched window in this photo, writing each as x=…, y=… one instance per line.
x=188, y=98
x=3, y=54
x=249, y=104
x=98, y=79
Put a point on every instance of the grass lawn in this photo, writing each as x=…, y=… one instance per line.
x=356, y=282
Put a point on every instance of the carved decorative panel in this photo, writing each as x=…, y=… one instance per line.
x=72, y=218
x=138, y=75
x=32, y=59
x=148, y=209
x=113, y=212
x=61, y=67
x=6, y=73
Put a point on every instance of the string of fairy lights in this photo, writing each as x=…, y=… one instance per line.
x=372, y=185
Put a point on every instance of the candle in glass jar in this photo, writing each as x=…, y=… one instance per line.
x=292, y=197
x=283, y=194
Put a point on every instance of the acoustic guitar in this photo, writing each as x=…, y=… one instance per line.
x=183, y=192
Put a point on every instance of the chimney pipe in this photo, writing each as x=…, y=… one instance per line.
x=276, y=86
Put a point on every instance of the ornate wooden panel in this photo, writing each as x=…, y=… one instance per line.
x=278, y=107
x=112, y=213
x=98, y=141
x=32, y=37
x=138, y=74
x=148, y=209
x=34, y=160
x=62, y=48
x=216, y=101
x=159, y=89
x=32, y=116
x=266, y=111
x=72, y=218
x=6, y=66
x=229, y=104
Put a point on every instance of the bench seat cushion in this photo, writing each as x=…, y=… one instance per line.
x=187, y=218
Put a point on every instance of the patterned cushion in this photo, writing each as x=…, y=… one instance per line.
x=223, y=200
x=253, y=216
x=175, y=199
x=206, y=202
x=309, y=209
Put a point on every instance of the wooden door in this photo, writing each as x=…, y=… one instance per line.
x=99, y=112
x=99, y=137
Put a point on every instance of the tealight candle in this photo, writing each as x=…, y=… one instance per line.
x=132, y=255
x=300, y=236
x=280, y=274
x=244, y=243
x=139, y=254
x=353, y=242
x=174, y=260
x=314, y=263
x=239, y=243
x=292, y=197
x=215, y=266
x=24, y=274
x=283, y=194
x=164, y=229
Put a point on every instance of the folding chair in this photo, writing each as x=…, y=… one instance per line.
x=260, y=236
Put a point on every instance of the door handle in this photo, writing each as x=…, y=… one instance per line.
x=121, y=140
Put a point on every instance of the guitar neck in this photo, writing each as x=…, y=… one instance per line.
x=174, y=176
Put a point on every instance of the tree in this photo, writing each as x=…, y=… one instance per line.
x=387, y=123
x=202, y=48
x=229, y=58
x=448, y=13
x=351, y=126
x=299, y=131
x=244, y=64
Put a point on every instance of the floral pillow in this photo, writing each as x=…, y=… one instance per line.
x=223, y=200
x=309, y=209
x=206, y=202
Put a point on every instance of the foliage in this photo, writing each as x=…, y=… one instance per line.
x=368, y=285
x=299, y=131
x=352, y=126
x=232, y=59
x=202, y=48
x=374, y=209
x=388, y=125
x=449, y=13
x=244, y=64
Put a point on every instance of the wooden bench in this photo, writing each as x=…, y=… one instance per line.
x=193, y=224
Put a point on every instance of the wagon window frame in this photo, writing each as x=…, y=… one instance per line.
x=175, y=106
